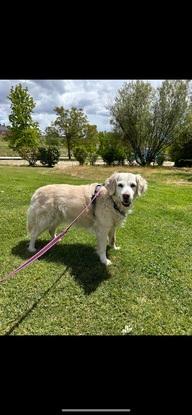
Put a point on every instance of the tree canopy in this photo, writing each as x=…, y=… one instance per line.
x=148, y=118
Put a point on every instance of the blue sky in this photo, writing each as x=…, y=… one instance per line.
x=91, y=95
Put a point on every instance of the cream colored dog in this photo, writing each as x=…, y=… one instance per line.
x=54, y=204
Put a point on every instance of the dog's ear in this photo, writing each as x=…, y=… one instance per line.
x=110, y=184
x=141, y=184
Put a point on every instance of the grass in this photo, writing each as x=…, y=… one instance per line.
x=69, y=292
x=5, y=150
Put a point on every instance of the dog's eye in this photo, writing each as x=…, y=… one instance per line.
x=133, y=185
x=120, y=185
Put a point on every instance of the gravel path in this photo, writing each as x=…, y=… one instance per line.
x=25, y=163
x=62, y=163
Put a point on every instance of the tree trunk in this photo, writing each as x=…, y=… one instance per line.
x=69, y=149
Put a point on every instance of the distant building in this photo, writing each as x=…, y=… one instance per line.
x=3, y=130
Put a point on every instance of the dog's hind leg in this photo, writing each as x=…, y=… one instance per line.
x=34, y=235
x=52, y=231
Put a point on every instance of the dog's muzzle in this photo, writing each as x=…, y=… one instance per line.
x=126, y=200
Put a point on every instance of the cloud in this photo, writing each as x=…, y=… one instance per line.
x=44, y=119
x=93, y=96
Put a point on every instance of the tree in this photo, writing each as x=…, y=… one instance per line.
x=150, y=119
x=52, y=136
x=71, y=125
x=24, y=133
x=181, y=149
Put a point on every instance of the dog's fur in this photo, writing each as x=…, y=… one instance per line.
x=54, y=204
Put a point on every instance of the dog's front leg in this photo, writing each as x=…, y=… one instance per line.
x=101, y=236
x=112, y=239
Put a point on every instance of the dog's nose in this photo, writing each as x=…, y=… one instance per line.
x=126, y=197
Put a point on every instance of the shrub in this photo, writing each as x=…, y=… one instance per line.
x=111, y=153
x=112, y=148
x=80, y=154
x=183, y=163
x=29, y=154
x=92, y=157
x=160, y=158
x=49, y=156
x=120, y=155
x=107, y=154
x=26, y=144
x=181, y=152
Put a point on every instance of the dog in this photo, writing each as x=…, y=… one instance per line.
x=54, y=204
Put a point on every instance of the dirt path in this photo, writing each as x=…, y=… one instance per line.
x=25, y=163
x=62, y=163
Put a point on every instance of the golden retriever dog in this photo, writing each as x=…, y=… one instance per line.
x=54, y=204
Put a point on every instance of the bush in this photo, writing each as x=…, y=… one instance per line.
x=120, y=155
x=160, y=158
x=92, y=157
x=112, y=148
x=181, y=152
x=49, y=156
x=29, y=154
x=183, y=163
x=111, y=153
x=80, y=154
x=108, y=155
x=26, y=143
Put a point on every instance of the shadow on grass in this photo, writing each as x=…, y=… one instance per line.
x=81, y=260
x=33, y=306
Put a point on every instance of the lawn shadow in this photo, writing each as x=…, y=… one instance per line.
x=81, y=260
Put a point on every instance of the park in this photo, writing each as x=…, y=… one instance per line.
x=147, y=289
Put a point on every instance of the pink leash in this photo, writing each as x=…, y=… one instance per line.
x=53, y=242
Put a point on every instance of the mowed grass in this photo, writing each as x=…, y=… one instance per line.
x=69, y=292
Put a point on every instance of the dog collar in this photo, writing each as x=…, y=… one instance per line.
x=114, y=204
x=116, y=208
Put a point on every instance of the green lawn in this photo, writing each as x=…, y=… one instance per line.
x=69, y=292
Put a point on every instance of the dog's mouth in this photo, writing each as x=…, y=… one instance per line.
x=126, y=204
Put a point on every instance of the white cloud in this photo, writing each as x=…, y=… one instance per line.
x=91, y=95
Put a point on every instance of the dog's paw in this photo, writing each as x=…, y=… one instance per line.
x=108, y=262
x=105, y=260
x=117, y=248
x=32, y=250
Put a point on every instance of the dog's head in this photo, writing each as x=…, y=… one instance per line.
x=126, y=186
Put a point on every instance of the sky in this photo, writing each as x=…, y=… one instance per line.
x=91, y=95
